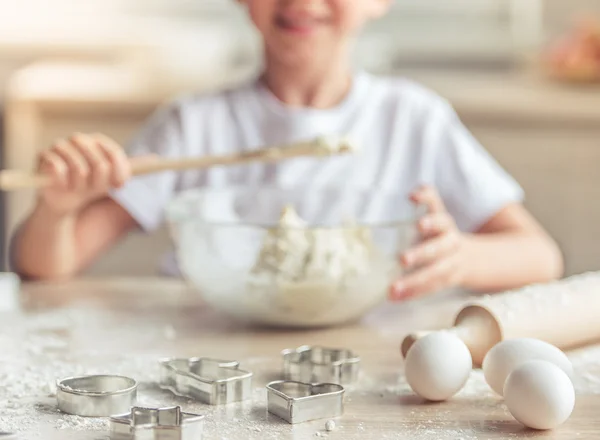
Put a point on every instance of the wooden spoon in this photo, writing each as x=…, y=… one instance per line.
x=322, y=146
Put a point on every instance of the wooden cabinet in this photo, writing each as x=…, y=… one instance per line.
x=558, y=165
x=547, y=136
x=35, y=117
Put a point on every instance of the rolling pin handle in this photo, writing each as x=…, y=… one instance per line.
x=410, y=339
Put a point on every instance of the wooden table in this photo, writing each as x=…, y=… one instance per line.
x=123, y=325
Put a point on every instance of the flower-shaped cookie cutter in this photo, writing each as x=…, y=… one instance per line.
x=211, y=381
x=315, y=364
x=298, y=402
x=156, y=424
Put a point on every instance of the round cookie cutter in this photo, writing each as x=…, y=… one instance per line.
x=96, y=396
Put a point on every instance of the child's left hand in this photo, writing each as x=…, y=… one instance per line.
x=436, y=262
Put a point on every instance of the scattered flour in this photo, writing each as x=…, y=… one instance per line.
x=45, y=347
x=28, y=391
x=40, y=354
x=170, y=333
x=330, y=425
x=586, y=367
x=81, y=423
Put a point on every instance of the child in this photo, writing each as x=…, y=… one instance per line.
x=476, y=234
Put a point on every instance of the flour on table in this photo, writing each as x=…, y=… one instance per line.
x=78, y=423
x=39, y=348
x=330, y=425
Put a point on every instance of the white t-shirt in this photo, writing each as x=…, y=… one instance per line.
x=407, y=135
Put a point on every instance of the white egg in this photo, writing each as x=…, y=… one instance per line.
x=539, y=395
x=504, y=357
x=438, y=366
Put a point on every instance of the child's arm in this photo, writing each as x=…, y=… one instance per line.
x=74, y=219
x=52, y=246
x=509, y=250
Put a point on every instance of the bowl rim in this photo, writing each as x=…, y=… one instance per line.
x=174, y=214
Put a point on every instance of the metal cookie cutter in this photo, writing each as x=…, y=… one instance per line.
x=96, y=396
x=298, y=402
x=157, y=424
x=319, y=364
x=211, y=381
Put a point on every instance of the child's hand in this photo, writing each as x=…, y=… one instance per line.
x=84, y=167
x=435, y=263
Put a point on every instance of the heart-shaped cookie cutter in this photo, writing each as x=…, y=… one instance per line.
x=211, y=381
x=298, y=402
x=320, y=365
x=157, y=424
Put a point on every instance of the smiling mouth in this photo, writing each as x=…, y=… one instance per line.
x=301, y=25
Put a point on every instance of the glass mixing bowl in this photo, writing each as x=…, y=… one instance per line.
x=231, y=246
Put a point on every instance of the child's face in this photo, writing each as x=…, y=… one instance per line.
x=304, y=31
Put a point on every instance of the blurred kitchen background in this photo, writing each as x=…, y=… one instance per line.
x=104, y=65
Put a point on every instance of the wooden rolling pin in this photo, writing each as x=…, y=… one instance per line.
x=564, y=313
x=322, y=146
